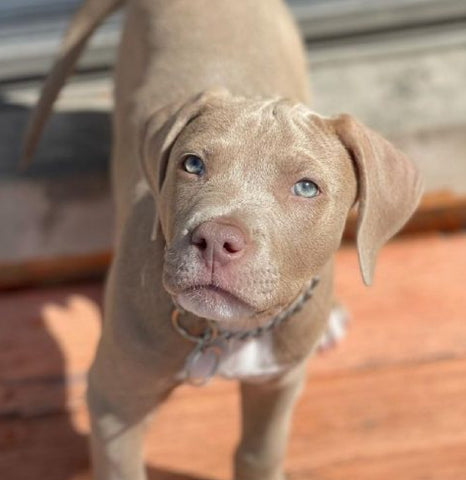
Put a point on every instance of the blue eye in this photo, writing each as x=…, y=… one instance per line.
x=305, y=188
x=193, y=164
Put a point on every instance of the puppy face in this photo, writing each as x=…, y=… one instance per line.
x=268, y=175
x=252, y=198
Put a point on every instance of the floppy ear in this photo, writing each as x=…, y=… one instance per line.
x=159, y=132
x=389, y=188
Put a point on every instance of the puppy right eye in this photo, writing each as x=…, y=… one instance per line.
x=305, y=188
x=193, y=164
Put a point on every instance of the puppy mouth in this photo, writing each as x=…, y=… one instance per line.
x=214, y=303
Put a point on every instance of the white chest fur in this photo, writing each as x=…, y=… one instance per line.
x=252, y=359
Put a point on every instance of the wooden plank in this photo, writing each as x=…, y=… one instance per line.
x=414, y=311
x=55, y=269
x=49, y=335
x=378, y=423
x=47, y=340
x=437, y=463
x=380, y=412
x=438, y=211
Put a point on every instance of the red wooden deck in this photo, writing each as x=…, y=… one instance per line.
x=388, y=403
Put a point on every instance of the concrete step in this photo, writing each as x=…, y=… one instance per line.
x=412, y=93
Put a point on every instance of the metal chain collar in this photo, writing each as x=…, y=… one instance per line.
x=210, y=339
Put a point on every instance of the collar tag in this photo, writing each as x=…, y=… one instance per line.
x=203, y=363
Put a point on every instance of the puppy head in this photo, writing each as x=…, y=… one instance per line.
x=252, y=198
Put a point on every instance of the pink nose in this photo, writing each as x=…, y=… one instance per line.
x=219, y=242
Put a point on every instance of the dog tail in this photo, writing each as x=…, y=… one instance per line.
x=89, y=16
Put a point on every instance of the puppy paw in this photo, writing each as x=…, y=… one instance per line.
x=336, y=328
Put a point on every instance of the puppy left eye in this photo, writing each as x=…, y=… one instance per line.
x=305, y=188
x=193, y=164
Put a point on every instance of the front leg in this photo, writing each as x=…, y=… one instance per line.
x=116, y=441
x=119, y=406
x=266, y=414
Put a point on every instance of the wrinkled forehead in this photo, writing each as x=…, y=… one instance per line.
x=274, y=127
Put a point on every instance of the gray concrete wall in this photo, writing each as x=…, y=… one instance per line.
x=410, y=89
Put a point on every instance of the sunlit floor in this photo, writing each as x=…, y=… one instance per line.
x=388, y=403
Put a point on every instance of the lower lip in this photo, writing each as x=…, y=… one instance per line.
x=213, y=303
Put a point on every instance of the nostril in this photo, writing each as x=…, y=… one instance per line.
x=230, y=248
x=201, y=243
